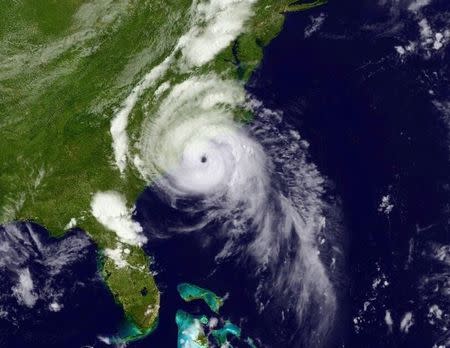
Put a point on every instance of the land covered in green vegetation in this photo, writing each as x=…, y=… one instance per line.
x=66, y=68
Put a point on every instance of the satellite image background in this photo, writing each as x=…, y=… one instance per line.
x=224, y=172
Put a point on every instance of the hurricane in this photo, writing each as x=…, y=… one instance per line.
x=257, y=180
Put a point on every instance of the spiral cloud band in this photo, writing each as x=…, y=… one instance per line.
x=255, y=180
x=196, y=143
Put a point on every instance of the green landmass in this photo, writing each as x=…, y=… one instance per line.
x=191, y=292
x=135, y=289
x=65, y=68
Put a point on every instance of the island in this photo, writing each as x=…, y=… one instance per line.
x=221, y=335
x=196, y=331
x=190, y=330
x=191, y=292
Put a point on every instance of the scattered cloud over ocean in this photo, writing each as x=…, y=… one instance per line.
x=32, y=268
x=316, y=24
x=24, y=288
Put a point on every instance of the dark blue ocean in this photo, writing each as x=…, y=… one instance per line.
x=370, y=117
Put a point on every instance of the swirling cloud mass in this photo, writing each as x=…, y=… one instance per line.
x=256, y=180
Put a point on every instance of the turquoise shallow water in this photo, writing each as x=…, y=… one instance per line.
x=190, y=330
x=190, y=292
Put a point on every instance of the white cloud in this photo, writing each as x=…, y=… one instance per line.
x=217, y=24
x=72, y=223
x=13, y=206
x=119, y=123
x=425, y=29
x=386, y=205
x=89, y=22
x=315, y=25
x=194, y=140
x=192, y=333
x=105, y=340
x=213, y=322
x=406, y=322
x=438, y=43
x=110, y=209
x=417, y=5
x=24, y=290
x=162, y=88
x=55, y=307
x=429, y=42
x=434, y=314
x=117, y=256
x=400, y=50
x=388, y=320
x=214, y=25
x=430, y=39
x=3, y=313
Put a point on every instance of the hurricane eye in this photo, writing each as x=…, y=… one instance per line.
x=203, y=159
